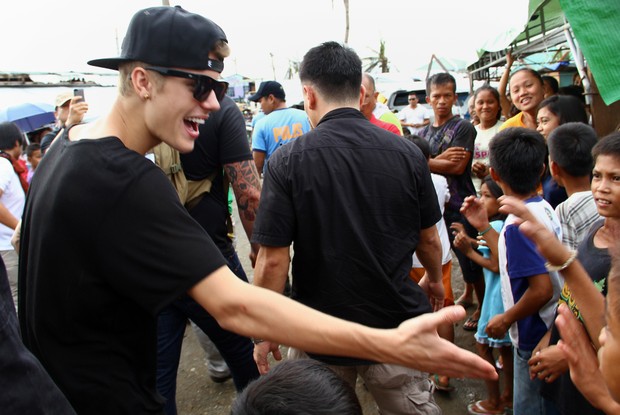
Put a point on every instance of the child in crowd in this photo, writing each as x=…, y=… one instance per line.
x=580, y=342
x=561, y=396
x=529, y=290
x=479, y=212
x=570, y=163
x=440, y=183
x=33, y=155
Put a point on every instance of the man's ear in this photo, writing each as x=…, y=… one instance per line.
x=362, y=94
x=142, y=84
x=310, y=97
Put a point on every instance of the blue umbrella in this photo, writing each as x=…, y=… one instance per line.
x=29, y=116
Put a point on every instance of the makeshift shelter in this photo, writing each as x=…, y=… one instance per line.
x=589, y=29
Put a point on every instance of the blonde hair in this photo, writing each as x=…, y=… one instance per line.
x=125, y=84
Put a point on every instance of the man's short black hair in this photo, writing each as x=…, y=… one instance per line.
x=9, y=134
x=298, y=387
x=570, y=147
x=566, y=107
x=442, y=78
x=422, y=145
x=334, y=70
x=608, y=146
x=518, y=155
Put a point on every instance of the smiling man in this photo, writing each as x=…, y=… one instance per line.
x=106, y=243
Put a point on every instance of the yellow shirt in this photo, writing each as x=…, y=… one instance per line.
x=516, y=121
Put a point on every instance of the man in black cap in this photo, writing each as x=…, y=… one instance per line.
x=106, y=243
x=280, y=124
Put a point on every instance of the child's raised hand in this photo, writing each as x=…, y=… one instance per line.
x=475, y=212
x=462, y=242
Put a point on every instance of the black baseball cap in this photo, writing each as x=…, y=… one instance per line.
x=269, y=88
x=170, y=37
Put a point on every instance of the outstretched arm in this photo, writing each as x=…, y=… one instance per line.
x=590, y=301
x=254, y=311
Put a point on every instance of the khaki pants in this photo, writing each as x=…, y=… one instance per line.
x=11, y=261
x=397, y=390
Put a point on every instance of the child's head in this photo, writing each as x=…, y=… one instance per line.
x=489, y=193
x=422, y=145
x=550, y=85
x=557, y=110
x=487, y=104
x=293, y=387
x=605, y=175
x=570, y=147
x=33, y=154
x=517, y=157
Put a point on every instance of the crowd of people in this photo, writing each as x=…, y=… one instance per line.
x=354, y=214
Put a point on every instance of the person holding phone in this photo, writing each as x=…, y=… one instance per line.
x=70, y=108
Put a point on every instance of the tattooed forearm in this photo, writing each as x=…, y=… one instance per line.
x=246, y=185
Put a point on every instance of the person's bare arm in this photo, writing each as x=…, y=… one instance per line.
x=6, y=217
x=257, y=312
x=259, y=161
x=429, y=253
x=245, y=182
x=505, y=103
x=453, y=161
x=590, y=301
x=538, y=293
x=271, y=272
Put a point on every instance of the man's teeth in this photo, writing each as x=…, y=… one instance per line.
x=196, y=120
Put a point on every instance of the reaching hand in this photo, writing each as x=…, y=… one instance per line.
x=475, y=212
x=421, y=347
x=462, y=242
x=547, y=243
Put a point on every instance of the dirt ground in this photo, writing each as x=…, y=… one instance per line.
x=198, y=395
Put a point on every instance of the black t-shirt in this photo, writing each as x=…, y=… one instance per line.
x=105, y=245
x=223, y=139
x=456, y=132
x=353, y=198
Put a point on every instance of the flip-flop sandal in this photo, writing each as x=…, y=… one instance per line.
x=476, y=408
x=471, y=324
x=441, y=386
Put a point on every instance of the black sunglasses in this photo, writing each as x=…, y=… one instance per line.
x=203, y=84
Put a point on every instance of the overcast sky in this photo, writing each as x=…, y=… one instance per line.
x=61, y=35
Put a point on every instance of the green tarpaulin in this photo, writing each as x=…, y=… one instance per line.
x=596, y=26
